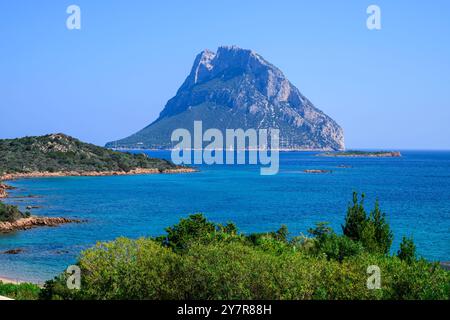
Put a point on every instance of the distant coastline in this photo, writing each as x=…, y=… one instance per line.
x=224, y=149
x=362, y=154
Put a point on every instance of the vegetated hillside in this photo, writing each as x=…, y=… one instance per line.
x=59, y=153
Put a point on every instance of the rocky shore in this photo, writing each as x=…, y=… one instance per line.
x=33, y=222
x=3, y=188
x=41, y=174
x=3, y=193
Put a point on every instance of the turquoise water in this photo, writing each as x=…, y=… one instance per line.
x=414, y=191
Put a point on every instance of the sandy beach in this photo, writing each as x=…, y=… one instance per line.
x=7, y=280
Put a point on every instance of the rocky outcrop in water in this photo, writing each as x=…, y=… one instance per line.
x=13, y=251
x=3, y=190
x=33, y=222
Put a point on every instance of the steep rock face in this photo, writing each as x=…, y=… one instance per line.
x=237, y=88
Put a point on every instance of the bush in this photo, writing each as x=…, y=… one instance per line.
x=197, y=229
x=9, y=213
x=143, y=269
x=264, y=269
x=23, y=291
x=198, y=259
x=333, y=246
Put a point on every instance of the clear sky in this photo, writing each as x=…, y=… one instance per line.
x=387, y=88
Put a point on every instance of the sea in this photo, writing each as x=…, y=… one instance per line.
x=413, y=191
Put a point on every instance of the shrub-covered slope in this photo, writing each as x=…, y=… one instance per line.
x=59, y=153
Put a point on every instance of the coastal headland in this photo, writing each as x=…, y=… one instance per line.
x=59, y=155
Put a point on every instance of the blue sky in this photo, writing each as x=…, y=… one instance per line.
x=387, y=89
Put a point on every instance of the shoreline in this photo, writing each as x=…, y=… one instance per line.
x=138, y=171
x=46, y=174
x=3, y=188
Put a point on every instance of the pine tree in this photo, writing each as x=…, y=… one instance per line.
x=407, y=251
x=382, y=232
x=356, y=219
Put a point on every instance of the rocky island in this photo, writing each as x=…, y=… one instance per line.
x=362, y=154
x=237, y=88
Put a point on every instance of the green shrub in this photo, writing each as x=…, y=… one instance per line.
x=143, y=269
x=23, y=291
x=9, y=213
x=197, y=229
x=198, y=259
x=331, y=245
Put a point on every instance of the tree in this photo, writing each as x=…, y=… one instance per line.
x=382, y=232
x=371, y=230
x=407, y=251
x=356, y=219
x=230, y=228
x=195, y=228
x=281, y=234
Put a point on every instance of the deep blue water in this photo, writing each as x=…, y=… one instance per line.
x=413, y=190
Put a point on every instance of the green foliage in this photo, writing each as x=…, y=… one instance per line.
x=333, y=246
x=371, y=230
x=10, y=213
x=143, y=269
x=382, y=233
x=356, y=219
x=281, y=234
x=197, y=229
x=23, y=291
x=58, y=152
x=198, y=259
x=407, y=251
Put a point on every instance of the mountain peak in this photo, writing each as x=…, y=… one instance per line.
x=229, y=61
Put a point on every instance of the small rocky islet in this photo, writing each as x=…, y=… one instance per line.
x=362, y=154
x=317, y=171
